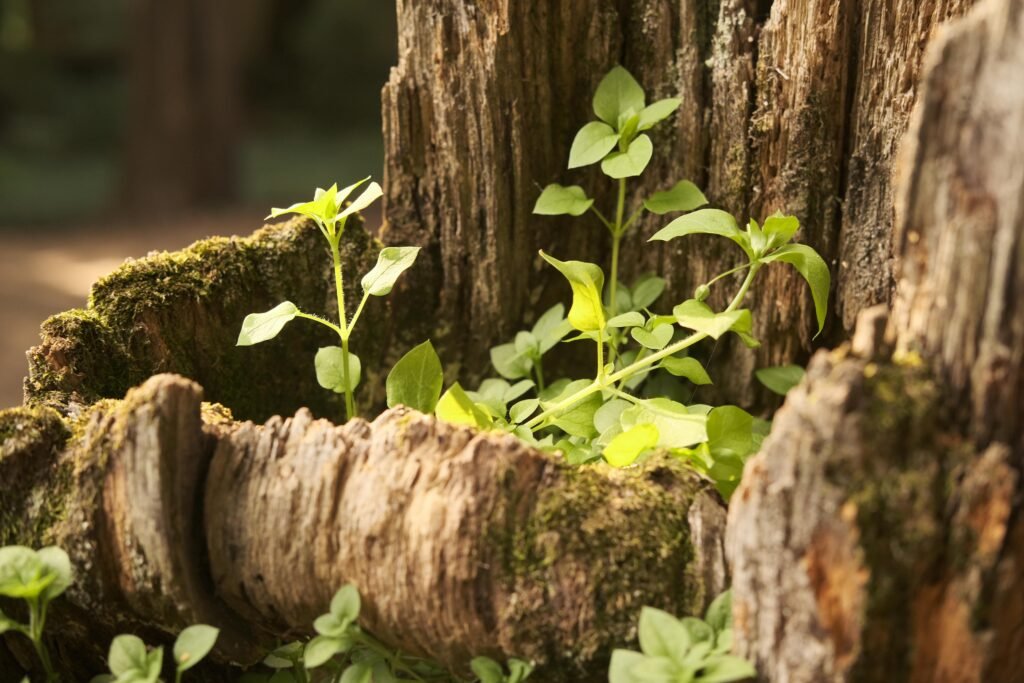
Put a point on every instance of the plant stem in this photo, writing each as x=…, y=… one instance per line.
x=37, y=619
x=640, y=363
x=394, y=660
x=339, y=285
x=538, y=368
x=617, y=232
x=600, y=355
x=320, y=320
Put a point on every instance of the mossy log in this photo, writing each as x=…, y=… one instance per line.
x=462, y=543
x=878, y=535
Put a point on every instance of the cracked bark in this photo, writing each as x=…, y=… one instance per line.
x=878, y=536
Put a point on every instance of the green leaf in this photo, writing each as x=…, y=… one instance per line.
x=330, y=369
x=631, y=162
x=618, y=94
x=727, y=668
x=322, y=649
x=631, y=319
x=56, y=563
x=662, y=635
x=625, y=448
x=731, y=428
x=658, y=670
x=259, y=327
x=551, y=328
x=780, y=229
x=102, y=678
x=620, y=669
x=487, y=670
x=283, y=676
x=330, y=625
x=416, y=379
x=345, y=604
x=557, y=200
x=371, y=194
x=658, y=111
x=579, y=419
x=677, y=427
x=699, y=631
x=127, y=654
x=359, y=672
x=8, y=624
x=655, y=339
x=510, y=363
x=813, y=269
x=518, y=670
x=522, y=410
x=690, y=368
x=607, y=416
x=587, y=281
x=647, y=290
x=706, y=222
x=343, y=194
x=22, y=573
x=456, y=407
x=684, y=196
x=698, y=316
x=719, y=614
x=780, y=379
x=193, y=644
x=391, y=262
x=592, y=144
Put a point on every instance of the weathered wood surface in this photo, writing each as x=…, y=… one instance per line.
x=793, y=105
x=461, y=543
x=878, y=536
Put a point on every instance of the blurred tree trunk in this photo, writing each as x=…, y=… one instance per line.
x=181, y=143
x=792, y=105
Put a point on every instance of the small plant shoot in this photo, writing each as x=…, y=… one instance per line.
x=638, y=400
x=337, y=367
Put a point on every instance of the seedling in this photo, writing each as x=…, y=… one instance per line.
x=636, y=401
x=337, y=368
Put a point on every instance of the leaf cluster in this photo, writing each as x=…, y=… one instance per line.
x=687, y=650
x=130, y=661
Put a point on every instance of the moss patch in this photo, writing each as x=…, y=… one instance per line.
x=180, y=312
x=31, y=442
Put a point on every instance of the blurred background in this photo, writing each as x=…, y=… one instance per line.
x=133, y=125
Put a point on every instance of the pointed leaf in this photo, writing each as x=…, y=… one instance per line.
x=321, y=650
x=780, y=379
x=662, y=635
x=630, y=163
x=780, y=229
x=371, y=194
x=259, y=327
x=690, y=368
x=647, y=291
x=487, y=670
x=330, y=369
x=658, y=111
x=456, y=407
x=557, y=200
x=193, y=644
x=625, y=448
x=698, y=316
x=677, y=427
x=706, y=222
x=813, y=269
x=417, y=379
x=684, y=196
x=719, y=614
x=127, y=653
x=592, y=143
x=587, y=281
x=617, y=94
x=391, y=262
x=343, y=194
x=631, y=319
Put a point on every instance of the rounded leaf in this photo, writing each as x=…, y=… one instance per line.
x=259, y=327
x=330, y=369
x=391, y=263
x=193, y=644
x=345, y=604
x=592, y=143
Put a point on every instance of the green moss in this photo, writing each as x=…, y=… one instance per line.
x=582, y=526
x=31, y=442
x=180, y=312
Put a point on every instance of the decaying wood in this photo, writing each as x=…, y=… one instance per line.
x=795, y=106
x=461, y=543
x=878, y=536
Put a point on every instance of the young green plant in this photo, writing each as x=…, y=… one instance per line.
x=337, y=367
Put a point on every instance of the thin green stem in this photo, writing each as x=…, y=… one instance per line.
x=328, y=323
x=393, y=659
x=640, y=363
x=622, y=394
x=602, y=218
x=343, y=332
x=728, y=273
x=600, y=355
x=617, y=232
x=359, y=311
x=632, y=219
x=37, y=620
x=538, y=370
